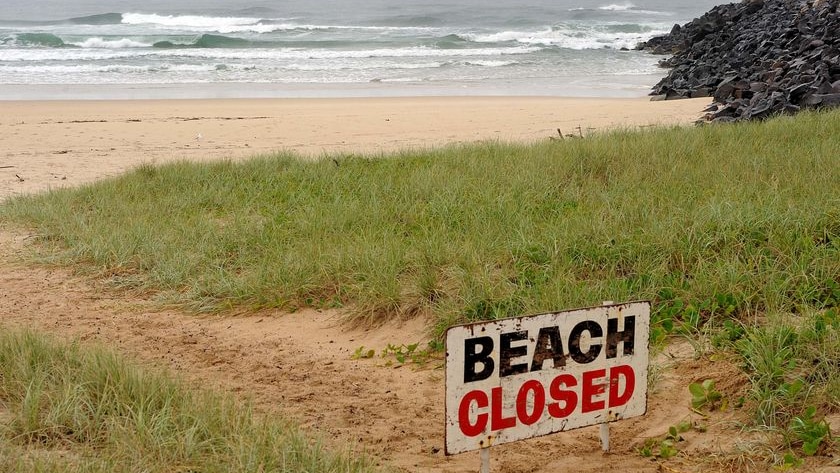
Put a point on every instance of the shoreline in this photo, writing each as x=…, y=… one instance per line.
x=52, y=144
x=592, y=86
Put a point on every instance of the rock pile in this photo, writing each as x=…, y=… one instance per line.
x=756, y=58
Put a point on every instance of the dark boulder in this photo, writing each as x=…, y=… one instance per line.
x=756, y=58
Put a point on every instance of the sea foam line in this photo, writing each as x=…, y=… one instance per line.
x=623, y=8
x=110, y=44
x=578, y=39
x=72, y=54
x=245, y=24
x=617, y=7
x=186, y=20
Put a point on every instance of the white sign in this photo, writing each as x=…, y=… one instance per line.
x=523, y=377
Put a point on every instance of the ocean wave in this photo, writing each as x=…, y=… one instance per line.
x=33, y=40
x=357, y=66
x=489, y=63
x=288, y=24
x=49, y=40
x=213, y=41
x=402, y=80
x=269, y=26
x=124, y=68
x=101, y=19
x=216, y=24
x=226, y=25
x=186, y=20
x=214, y=54
x=73, y=54
x=451, y=41
x=502, y=36
x=578, y=37
x=353, y=65
x=208, y=41
x=222, y=24
x=301, y=54
x=616, y=7
x=219, y=67
x=110, y=44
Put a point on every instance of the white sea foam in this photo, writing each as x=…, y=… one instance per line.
x=503, y=36
x=315, y=27
x=489, y=63
x=291, y=53
x=621, y=8
x=570, y=38
x=117, y=73
x=616, y=7
x=631, y=8
x=98, y=54
x=206, y=24
x=227, y=25
x=358, y=66
x=65, y=54
x=121, y=68
x=405, y=79
x=186, y=20
x=281, y=27
x=110, y=44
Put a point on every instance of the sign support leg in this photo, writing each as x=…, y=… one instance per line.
x=605, y=427
x=605, y=437
x=485, y=460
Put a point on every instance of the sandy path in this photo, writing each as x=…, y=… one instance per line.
x=301, y=366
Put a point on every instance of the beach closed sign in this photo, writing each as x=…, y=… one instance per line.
x=524, y=377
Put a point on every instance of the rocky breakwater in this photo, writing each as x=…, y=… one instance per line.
x=756, y=58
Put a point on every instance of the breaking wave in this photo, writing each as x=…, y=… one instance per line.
x=578, y=37
x=101, y=19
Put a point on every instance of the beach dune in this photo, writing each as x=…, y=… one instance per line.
x=50, y=144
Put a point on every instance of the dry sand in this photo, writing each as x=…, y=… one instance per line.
x=49, y=144
x=299, y=365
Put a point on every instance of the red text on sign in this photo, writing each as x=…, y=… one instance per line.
x=479, y=410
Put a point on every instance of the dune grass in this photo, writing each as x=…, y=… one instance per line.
x=742, y=219
x=719, y=226
x=64, y=408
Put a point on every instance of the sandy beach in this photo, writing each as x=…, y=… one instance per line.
x=50, y=144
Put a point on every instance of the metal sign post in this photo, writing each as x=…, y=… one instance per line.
x=485, y=460
x=605, y=437
x=604, y=429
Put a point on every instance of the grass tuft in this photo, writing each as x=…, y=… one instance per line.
x=69, y=408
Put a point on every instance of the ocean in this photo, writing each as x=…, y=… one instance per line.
x=331, y=48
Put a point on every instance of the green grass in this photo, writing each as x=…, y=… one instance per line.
x=746, y=216
x=719, y=226
x=793, y=364
x=64, y=408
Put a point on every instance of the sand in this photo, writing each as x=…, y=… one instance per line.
x=299, y=365
x=52, y=144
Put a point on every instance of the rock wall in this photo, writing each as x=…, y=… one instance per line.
x=756, y=58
